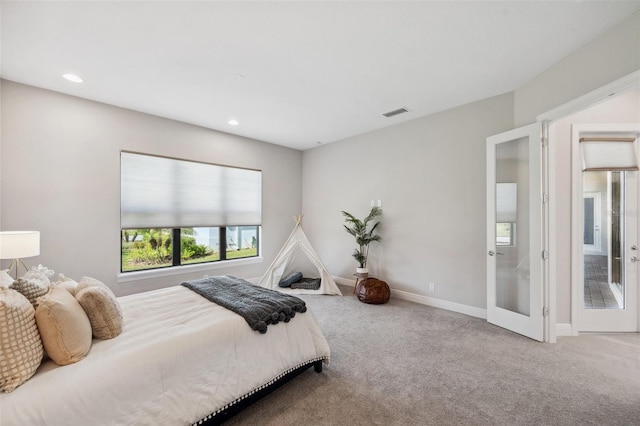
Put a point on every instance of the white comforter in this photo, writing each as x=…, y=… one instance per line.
x=179, y=358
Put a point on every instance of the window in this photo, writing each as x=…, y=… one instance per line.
x=178, y=212
x=506, y=234
x=506, y=213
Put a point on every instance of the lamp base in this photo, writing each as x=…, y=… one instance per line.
x=15, y=263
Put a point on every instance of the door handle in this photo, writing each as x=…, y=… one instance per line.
x=634, y=259
x=493, y=253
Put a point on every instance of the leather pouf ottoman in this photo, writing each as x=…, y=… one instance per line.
x=373, y=291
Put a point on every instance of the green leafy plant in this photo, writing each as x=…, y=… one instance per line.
x=363, y=233
x=190, y=249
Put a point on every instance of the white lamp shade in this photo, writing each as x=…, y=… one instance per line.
x=19, y=244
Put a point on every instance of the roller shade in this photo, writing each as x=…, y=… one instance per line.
x=160, y=192
x=506, y=202
x=608, y=154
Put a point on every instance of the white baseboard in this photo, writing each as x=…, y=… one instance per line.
x=426, y=300
x=563, y=329
x=344, y=281
x=439, y=303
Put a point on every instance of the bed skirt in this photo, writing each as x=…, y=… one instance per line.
x=230, y=410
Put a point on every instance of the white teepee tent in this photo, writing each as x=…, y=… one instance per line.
x=297, y=255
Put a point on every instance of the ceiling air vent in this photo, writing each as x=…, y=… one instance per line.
x=395, y=112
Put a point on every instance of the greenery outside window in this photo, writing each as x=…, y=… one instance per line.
x=506, y=234
x=152, y=248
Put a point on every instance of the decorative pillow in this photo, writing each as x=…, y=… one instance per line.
x=103, y=310
x=67, y=283
x=43, y=270
x=92, y=282
x=64, y=327
x=32, y=285
x=307, y=284
x=5, y=278
x=290, y=279
x=20, y=344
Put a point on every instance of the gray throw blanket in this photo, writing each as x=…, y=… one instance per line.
x=257, y=305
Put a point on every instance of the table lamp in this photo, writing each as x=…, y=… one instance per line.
x=17, y=245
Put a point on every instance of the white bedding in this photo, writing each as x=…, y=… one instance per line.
x=179, y=358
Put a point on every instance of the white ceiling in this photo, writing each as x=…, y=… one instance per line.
x=294, y=73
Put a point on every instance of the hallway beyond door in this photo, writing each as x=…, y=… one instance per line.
x=597, y=293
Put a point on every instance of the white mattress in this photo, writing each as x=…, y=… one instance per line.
x=179, y=358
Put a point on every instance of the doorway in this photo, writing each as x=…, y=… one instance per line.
x=605, y=162
x=604, y=273
x=592, y=223
x=616, y=102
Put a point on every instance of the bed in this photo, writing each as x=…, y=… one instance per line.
x=180, y=359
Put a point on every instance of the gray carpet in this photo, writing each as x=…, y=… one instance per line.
x=407, y=364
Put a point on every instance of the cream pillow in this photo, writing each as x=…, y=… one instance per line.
x=92, y=282
x=64, y=327
x=20, y=344
x=103, y=310
x=67, y=283
x=5, y=278
x=32, y=285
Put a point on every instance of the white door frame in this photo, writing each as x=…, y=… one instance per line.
x=628, y=82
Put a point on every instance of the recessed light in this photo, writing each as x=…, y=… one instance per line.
x=234, y=122
x=72, y=77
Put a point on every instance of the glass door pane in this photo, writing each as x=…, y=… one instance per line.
x=512, y=226
x=604, y=277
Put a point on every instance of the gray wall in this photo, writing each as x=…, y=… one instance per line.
x=430, y=175
x=609, y=57
x=60, y=175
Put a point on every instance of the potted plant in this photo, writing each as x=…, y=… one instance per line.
x=364, y=235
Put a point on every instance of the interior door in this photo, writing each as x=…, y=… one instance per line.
x=608, y=285
x=514, y=231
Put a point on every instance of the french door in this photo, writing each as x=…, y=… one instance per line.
x=515, y=257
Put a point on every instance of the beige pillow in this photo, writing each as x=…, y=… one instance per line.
x=67, y=283
x=103, y=311
x=20, y=344
x=92, y=282
x=32, y=285
x=64, y=327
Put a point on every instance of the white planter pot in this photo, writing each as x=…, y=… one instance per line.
x=362, y=270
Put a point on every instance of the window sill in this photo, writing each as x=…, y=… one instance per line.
x=124, y=277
